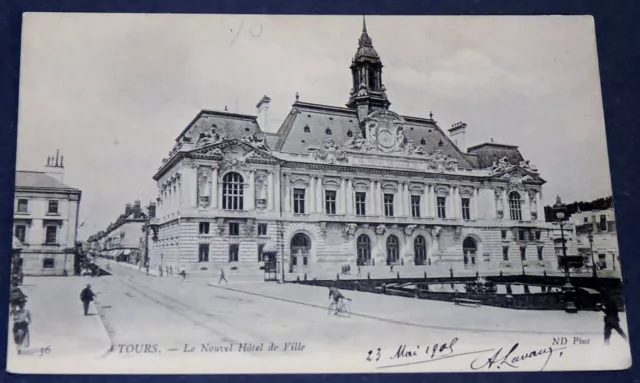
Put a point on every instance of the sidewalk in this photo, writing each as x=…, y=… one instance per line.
x=58, y=322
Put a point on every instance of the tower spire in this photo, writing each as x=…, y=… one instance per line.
x=368, y=92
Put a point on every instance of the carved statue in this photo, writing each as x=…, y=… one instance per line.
x=381, y=229
x=499, y=200
x=441, y=162
x=400, y=138
x=204, y=188
x=408, y=230
x=261, y=191
x=350, y=229
x=210, y=137
x=330, y=153
x=419, y=151
x=356, y=143
x=436, y=231
x=257, y=140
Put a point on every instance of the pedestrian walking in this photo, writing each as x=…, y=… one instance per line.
x=86, y=296
x=21, y=322
x=160, y=269
x=611, y=318
x=348, y=269
x=222, y=277
x=359, y=271
x=391, y=269
x=147, y=269
x=183, y=273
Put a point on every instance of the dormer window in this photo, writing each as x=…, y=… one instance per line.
x=246, y=129
x=423, y=141
x=328, y=131
x=349, y=133
x=307, y=129
x=440, y=143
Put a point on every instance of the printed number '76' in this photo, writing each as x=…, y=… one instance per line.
x=370, y=355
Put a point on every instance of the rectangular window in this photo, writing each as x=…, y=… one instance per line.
x=330, y=201
x=262, y=229
x=361, y=203
x=233, y=252
x=523, y=253
x=586, y=219
x=260, y=251
x=415, y=206
x=505, y=253
x=48, y=263
x=442, y=207
x=203, y=252
x=466, y=208
x=51, y=236
x=23, y=206
x=20, y=232
x=522, y=235
x=53, y=207
x=388, y=205
x=298, y=201
x=204, y=228
x=234, y=229
x=612, y=226
x=538, y=235
x=602, y=261
x=603, y=223
x=540, y=253
x=504, y=234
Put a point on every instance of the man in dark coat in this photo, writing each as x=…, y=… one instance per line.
x=86, y=296
x=611, y=318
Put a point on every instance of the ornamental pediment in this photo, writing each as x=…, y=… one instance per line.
x=516, y=175
x=233, y=149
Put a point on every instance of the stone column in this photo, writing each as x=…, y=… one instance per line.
x=474, y=204
x=270, y=190
x=342, y=197
x=370, y=202
x=277, y=192
x=349, y=197
x=506, y=211
x=540, y=207
x=379, y=200
x=525, y=207
x=287, y=193
x=311, y=195
x=251, y=199
x=319, y=195
x=398, y=202
x=214, y=189
x=407, y=200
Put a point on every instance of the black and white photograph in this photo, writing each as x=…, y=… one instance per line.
x=242, y=194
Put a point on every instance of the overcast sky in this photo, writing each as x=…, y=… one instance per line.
x=112, y=92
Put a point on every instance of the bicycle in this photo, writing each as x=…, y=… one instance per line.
x=344, y=307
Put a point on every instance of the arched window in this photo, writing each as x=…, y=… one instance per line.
x=307, y=129
x=514, y=206
x=469, y=250
x=393, y=250
x=232, y=192
x=300, y=248
x=328, y=131
x=420, y=250
x=363, y=244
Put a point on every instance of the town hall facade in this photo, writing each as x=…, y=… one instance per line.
x=358, y=185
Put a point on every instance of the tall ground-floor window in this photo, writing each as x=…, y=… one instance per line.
x=234, y=251
x=203, y=252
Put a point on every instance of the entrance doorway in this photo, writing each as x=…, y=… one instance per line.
x=300, y=250
x=469, y=250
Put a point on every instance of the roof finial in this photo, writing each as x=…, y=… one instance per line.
x=297, y=96
x=225, y=108
x=491, y=139
x=364, y=24
x=431, y=115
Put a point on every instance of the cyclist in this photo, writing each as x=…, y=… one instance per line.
x=337, y=297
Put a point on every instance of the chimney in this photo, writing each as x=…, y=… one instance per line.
x=457, y=134
x=136, y=209
x=152, y=210
x=54, y=167
x=127, y=210
x=263, y=108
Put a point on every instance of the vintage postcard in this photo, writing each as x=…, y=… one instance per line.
x=312, y=194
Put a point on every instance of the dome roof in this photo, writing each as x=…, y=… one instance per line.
x=366, y=51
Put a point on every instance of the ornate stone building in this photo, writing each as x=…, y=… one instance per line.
x=357, y=185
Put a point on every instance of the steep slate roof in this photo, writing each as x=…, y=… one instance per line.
x=32, y=179
x=342, y=120
x=272, y=139
x=234, y=125
x=489, y=152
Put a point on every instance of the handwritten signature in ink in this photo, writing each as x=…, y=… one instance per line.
x=513, y=358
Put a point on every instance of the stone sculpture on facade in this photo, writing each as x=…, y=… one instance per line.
x=533, y=204
x=350, y=229
x=204, y=187
x=441, y=162
x=330, y=153
x=408, y=230
x=499, y=202
x=257, y=140
x=381, y=229
x=527, y=165
x=261, y=191
x=210, y=137
x=501, y=165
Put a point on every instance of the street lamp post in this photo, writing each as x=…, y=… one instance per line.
x=593, y=259
x=569, y=291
